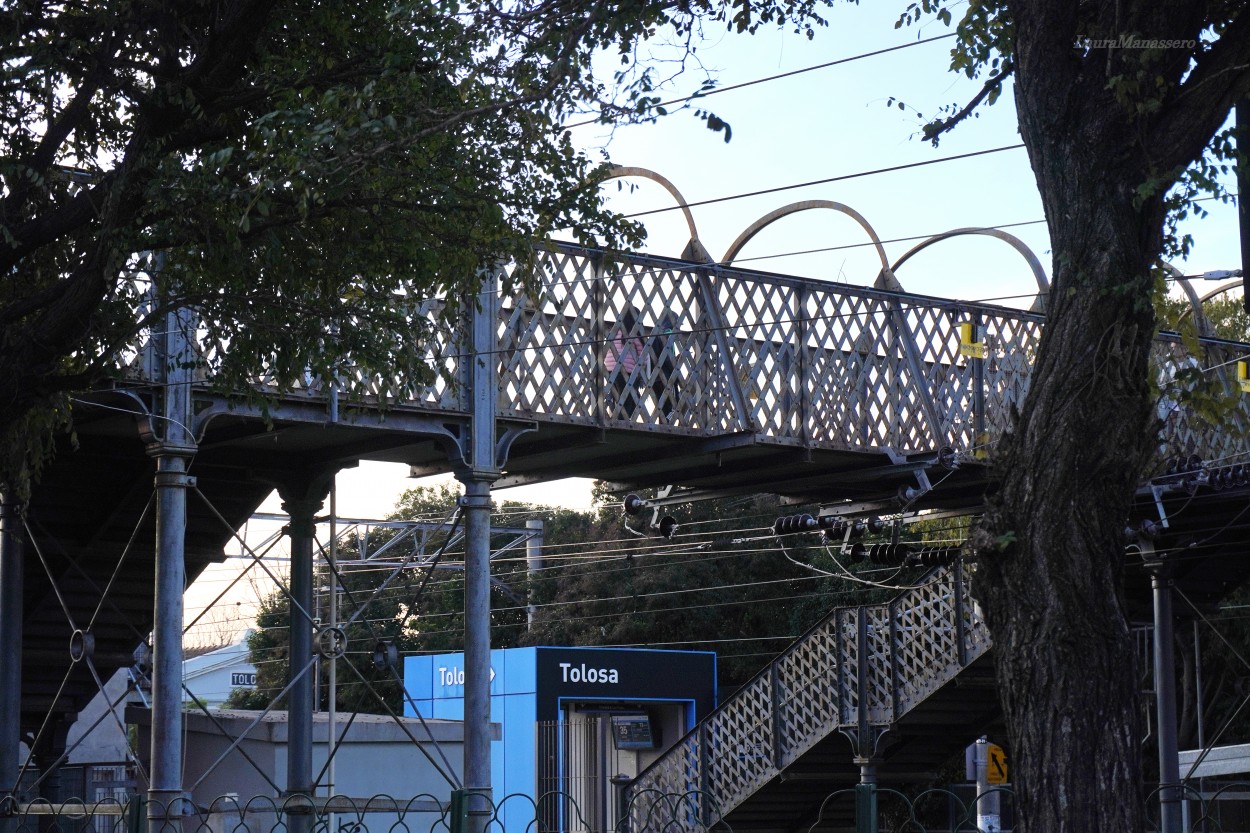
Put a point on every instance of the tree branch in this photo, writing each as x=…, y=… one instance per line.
x=1183, y=126
x=934, y=130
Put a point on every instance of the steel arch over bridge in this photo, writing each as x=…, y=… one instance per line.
x=740, y=381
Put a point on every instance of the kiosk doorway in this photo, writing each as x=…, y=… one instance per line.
x=588, y=756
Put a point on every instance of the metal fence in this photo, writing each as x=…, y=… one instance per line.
x=1213, y=806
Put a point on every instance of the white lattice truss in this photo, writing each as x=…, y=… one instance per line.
x=858, y=670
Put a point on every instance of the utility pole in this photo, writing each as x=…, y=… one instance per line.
x=533, y=563
x=1241, y=129
x=1165, y=688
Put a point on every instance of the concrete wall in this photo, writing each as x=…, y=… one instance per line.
x=377, y=758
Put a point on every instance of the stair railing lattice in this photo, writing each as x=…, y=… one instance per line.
x=894, y=655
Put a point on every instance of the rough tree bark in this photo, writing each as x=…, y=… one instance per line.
x=1051, y=548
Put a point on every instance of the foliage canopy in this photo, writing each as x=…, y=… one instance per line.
x=304, y=168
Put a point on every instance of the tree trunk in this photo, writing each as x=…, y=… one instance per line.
x=1050, y=564
x=1051, y=549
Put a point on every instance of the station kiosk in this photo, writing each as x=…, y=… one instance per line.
x=577, y=723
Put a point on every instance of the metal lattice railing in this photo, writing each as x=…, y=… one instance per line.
x=858, y=669
x=724, y=350
x=715, y=350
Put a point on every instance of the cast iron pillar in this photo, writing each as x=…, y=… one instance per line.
x=476, y=505
x=172, y=445
x=866, y=810
x=11, y=576
x=533, y=563
x=301, y=500
x=478, y=468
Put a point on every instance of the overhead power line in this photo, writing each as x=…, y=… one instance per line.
x=781, y=75
x=826, y=180
x=908, y=239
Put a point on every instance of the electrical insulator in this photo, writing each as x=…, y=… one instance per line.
x=892, y=554
x=791, y=524
x=858, y=529
x=1218, y=480
x=836, y=531
x=876, y=525
x=937, y=556
x=633, y=504
x=857, y=553
x=667, y=526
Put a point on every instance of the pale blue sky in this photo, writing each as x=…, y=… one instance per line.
x=836, y=121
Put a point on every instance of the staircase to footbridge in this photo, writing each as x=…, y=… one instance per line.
x=860, y=399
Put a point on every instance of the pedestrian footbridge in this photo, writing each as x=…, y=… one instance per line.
x=862, y=399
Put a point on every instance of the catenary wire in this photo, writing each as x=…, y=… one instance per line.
x=716, y=91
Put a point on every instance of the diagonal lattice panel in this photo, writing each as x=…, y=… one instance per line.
x=909, y=647
x=548, y=341
x=926, y=648
x=810, y=696
x=1212, y=433
x=878, y=667
x=740, y=742
x=717, y=350
x=949, y=377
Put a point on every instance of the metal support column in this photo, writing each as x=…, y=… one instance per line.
x=478, y=469
x=1242, y=122
x=989, y=803
x=866, y=796
x=172, y=446
x=533, y=564
x=1165, y=692
x=477, y=777
x=301, y=500
x=980, y=438
x=11, y=578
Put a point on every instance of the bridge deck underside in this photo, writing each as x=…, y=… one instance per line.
x=95, y=529
x=92, y=514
